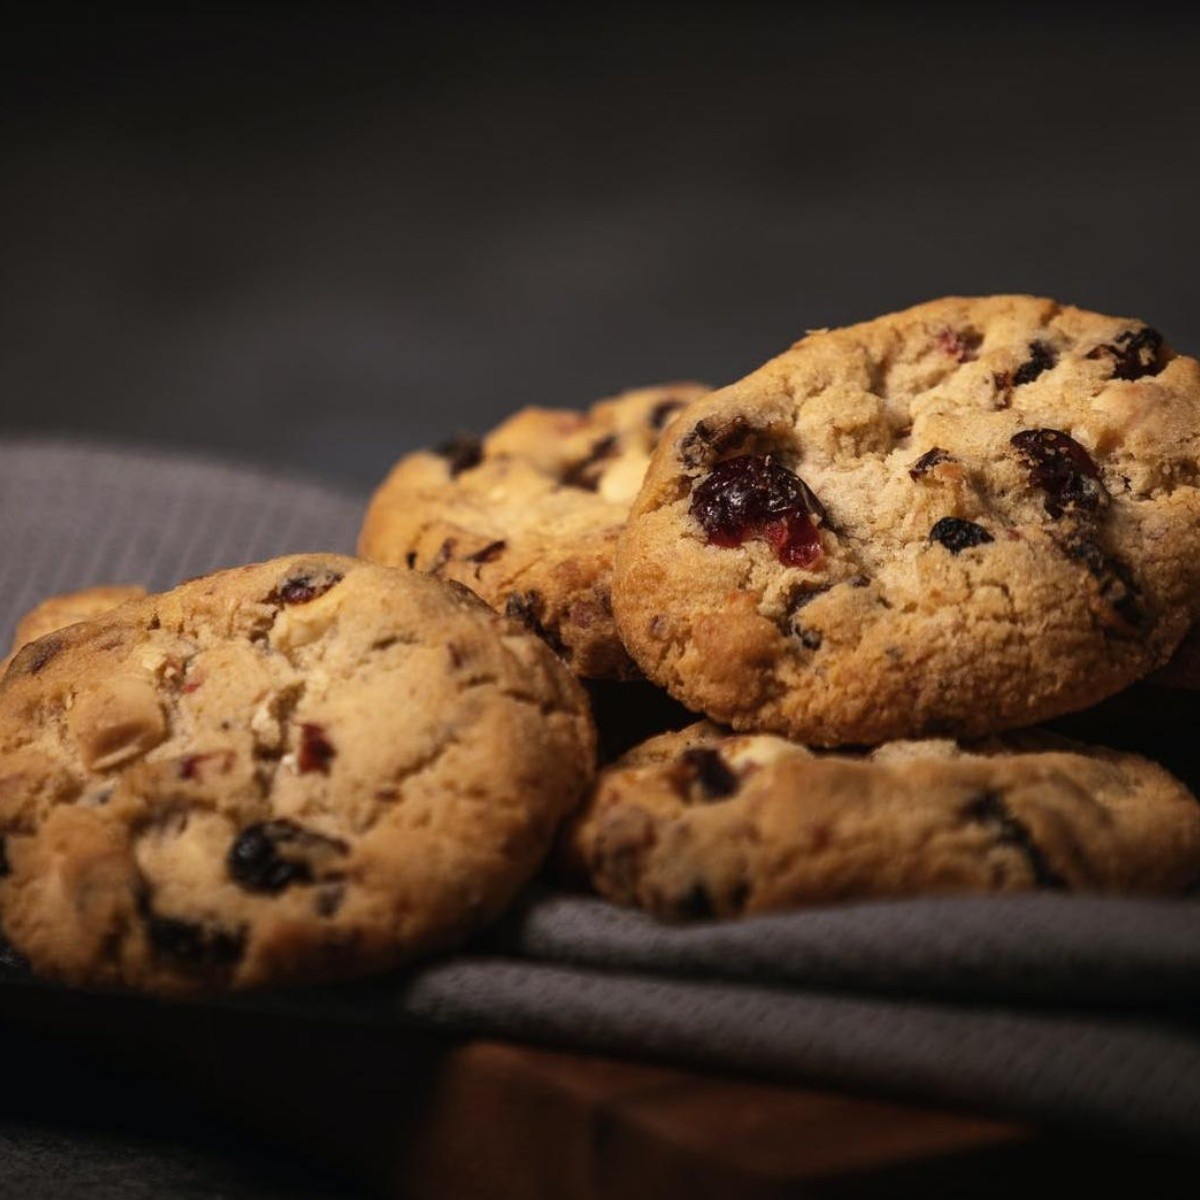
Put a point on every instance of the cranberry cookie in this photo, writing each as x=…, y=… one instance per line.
x=304, y=769
x=529, y=517
x=701, y=823
x=962, y=518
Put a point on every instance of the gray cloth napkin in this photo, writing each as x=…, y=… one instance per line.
x=1079, y=1011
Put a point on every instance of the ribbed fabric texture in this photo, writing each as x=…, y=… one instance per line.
x=1072, y=1010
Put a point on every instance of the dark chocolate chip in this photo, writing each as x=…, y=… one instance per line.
x=461, y=453
x=929, y=460
x=958, y=535
x=273, y=855
x=1041, y=358
x=706, y=766
x=5, y=867
x=990, y=810
x=316, y=751
x=410, y=559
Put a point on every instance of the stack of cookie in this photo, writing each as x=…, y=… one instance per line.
x=864, y=565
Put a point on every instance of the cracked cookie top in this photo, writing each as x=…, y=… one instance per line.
x=303, y=769
x=528, y=517
x=969, y=516
x=703, y=823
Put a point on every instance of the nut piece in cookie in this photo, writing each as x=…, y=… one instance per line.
x=705, y=823
x=528, y=517
x=966, y=517
x=306, y=769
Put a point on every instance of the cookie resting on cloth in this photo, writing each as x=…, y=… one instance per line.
x=704, y=823
x=299, y=770
x=967, y=517
x=529, y=517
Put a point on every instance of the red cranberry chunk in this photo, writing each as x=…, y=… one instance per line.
x=753, y=496
x=1062, y=468
x=316, y=750
x=960, y=344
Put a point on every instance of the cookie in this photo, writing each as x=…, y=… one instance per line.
x=300, y=770
x=528, y=518
x=703, y=823
x=966, y=517
x=55, y=612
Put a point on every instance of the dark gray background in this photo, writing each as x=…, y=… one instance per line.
x=319, y=241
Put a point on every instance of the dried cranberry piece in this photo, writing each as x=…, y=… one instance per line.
x=958, y=535
x=960, y=344
x=707, y=768
x=530, y=609
x=663, y=413
x=488, y=553
x=989, y=810
x=1119, y=594
x=929, y=460
x=303, y=587
x=190, y=944
x=586, y=474
x=1041, y=358
x=703, y=443
x=1134, y=353
x=1059, y=465
x=272, y=855
x=461, y=453
x=754, y=496
x=316, y=750
x=696, y=903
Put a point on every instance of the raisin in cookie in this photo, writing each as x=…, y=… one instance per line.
x=528, y=519
x=304, y=769
x=703, y=823
x=962, y=518
x=56, y=612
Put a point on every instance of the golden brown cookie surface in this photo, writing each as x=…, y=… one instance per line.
x=705, y=823
x=528, y=519
x=304, y=769
x=965, y=517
